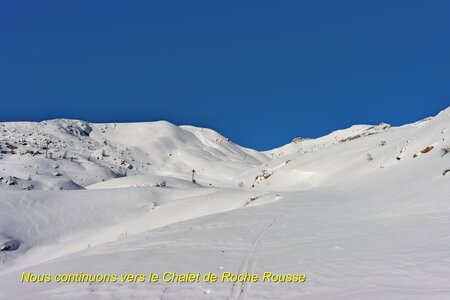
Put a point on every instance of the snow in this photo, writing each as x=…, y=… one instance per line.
x=363, y=212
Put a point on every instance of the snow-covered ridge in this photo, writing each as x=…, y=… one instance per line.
x=66, y=154
x=72, y=154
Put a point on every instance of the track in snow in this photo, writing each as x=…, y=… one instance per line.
x=240, y=289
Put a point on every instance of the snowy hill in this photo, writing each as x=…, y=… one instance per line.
x=364, y=212
x=71, y=154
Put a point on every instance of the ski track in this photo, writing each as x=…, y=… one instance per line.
x=240, y=289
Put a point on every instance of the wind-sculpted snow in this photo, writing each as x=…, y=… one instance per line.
x=364, y=212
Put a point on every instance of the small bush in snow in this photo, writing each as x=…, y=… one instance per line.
x=445, y=151
x=10, y=146
x=297, y=140
x=427, y=149
x=193, y=180
x=350, y=138
x=253, y=198
x=161, y=184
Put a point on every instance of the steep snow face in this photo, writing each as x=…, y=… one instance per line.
x=72, y=154
x=364, y=212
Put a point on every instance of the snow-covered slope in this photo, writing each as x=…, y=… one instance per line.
x=364, y=212
x=71, y=154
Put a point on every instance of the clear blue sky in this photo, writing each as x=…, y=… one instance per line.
x=259, y=72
